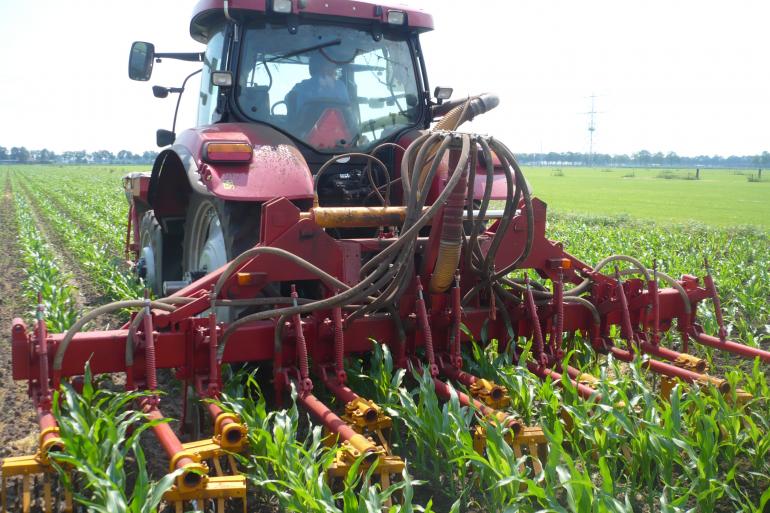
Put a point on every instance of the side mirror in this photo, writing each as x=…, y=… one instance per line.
x=443, y=93
x=160, y=91
x=164, y=137
x=140, y=61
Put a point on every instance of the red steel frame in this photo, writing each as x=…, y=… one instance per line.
x=181, y=339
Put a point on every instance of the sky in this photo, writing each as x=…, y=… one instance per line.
x=692, y=77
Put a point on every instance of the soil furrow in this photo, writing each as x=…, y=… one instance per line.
x=91, y=295
x=80, y=223
x=18, y=426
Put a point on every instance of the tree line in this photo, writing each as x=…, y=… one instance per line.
x=644, y=158
x=21, y=155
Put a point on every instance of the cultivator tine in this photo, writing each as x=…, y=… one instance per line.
x=22, y=469
x=223, y=485
x=529, y=441
x=47, y=498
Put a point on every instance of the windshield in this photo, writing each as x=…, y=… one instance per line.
x=333, y=87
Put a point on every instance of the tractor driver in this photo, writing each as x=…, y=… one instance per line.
x=308, y=98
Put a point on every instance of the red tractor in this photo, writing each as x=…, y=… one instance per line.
x=314, y=210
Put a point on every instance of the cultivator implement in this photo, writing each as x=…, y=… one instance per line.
x=303, y=299
x=35, y=475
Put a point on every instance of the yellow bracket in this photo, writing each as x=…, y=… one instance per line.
x=26, y=467
x=348, y=454
x=691, y=363
x=232, y=436
x=220, y=487
x=365, y=414
x=490, y=393
x=741, y=396
x=530, y=438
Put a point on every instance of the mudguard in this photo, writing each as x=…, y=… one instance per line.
x=277, y=168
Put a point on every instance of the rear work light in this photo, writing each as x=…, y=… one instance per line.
x=227, y=152
x=282, y=6
x=396, y=17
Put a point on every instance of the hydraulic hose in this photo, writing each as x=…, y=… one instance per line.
x=670, y=281
x=96, y=312
x=451, y=238
x=251, y=253
x=450, y=242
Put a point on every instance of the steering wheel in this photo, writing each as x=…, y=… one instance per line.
x=276, y=104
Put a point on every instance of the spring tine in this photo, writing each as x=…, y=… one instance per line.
x=47, y=499
x=67, y=499
x=25, y=493
x=384, y=485
x=538, y=467
x=233, y=465
x=218, y=466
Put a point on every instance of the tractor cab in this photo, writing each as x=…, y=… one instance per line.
x=333, y=75
x=331, y=87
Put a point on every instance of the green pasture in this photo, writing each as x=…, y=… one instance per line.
x=721, y=197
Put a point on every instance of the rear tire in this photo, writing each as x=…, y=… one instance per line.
x=216, y=231
x=151, y=250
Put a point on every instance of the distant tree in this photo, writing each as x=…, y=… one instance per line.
x=102, y=156
x=672, y=159
x=3, y=153
x=642, y=158
x=46, y=155
x=20, y=154
x=149, y=156
x=126, y=156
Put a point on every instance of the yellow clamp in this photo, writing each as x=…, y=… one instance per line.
x=231, y=436
x=351, y=450
x=195, y=475
x=690, y=362
x=490, y=393
x=363, y=413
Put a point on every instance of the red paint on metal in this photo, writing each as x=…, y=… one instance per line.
x=355, y=9
x=165, y=435
x=276, y=170
x=732, y=347
x=328, y=418
x=584, y=391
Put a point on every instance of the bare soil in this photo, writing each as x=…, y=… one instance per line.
x=18, y=426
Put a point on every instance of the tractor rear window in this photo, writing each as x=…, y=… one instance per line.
x=333, y=87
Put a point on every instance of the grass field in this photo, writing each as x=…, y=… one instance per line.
x=721, y=197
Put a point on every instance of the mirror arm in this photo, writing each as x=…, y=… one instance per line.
x=189, y=56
